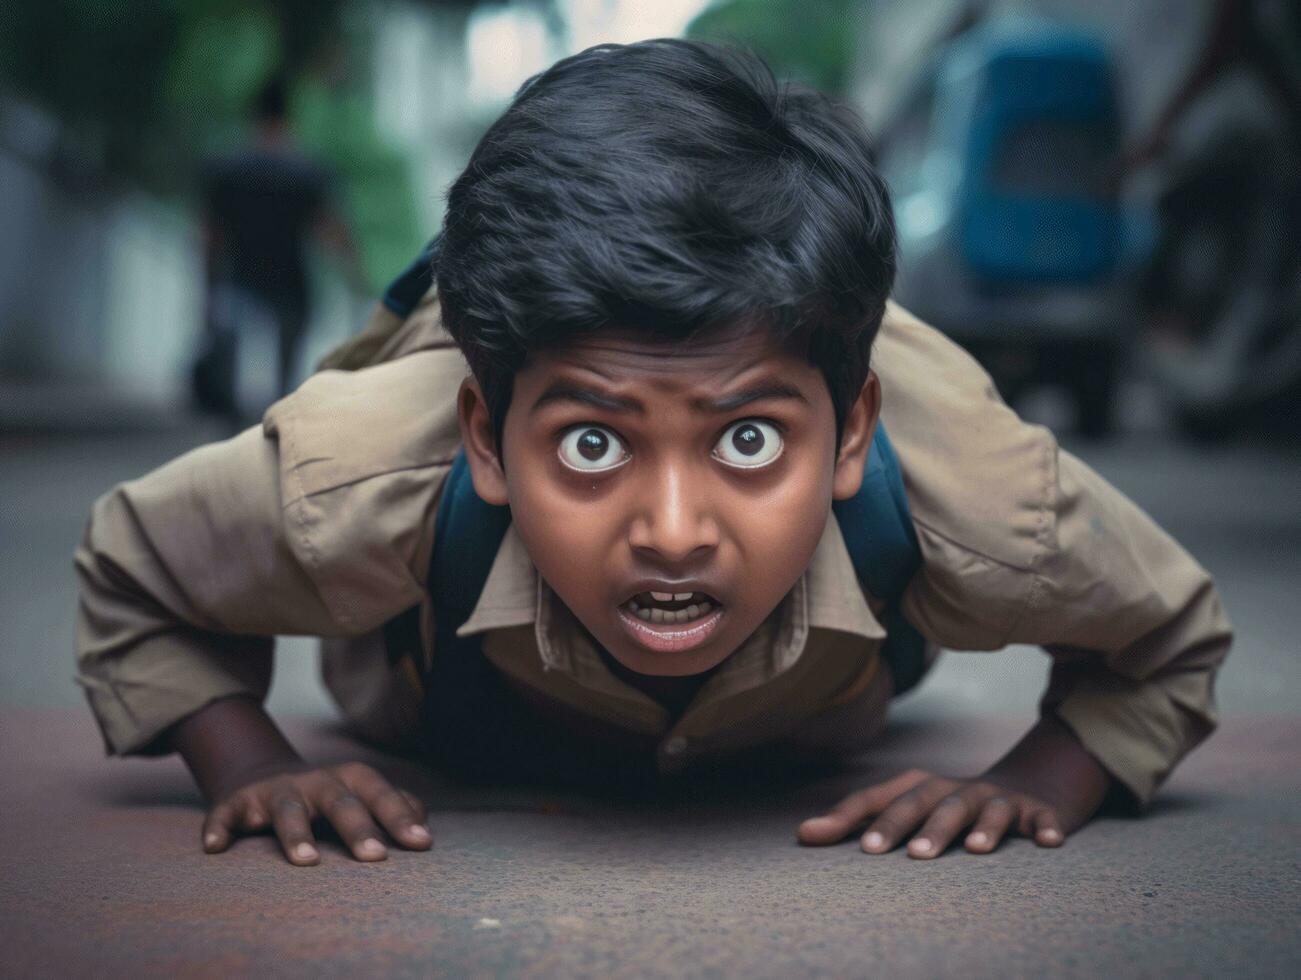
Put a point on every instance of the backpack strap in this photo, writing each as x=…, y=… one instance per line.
x=465, y=713
x=882, y=543
x=405, y=292
x=468, y=532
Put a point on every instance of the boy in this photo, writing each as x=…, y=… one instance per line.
x=666, y=275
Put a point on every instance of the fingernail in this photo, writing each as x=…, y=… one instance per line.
x=1052, y=835
x=920, y=844
x=305, y=852
x=211, y=840
x=873, y=840
x=370, y=847
x=978, y=840
x=419, y=832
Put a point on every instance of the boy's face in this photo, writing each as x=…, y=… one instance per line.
x=670, y=496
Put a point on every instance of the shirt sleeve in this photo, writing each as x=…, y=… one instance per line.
x=1024, y=543
x=1135, y=628
x=319, y=522
x=185, y=576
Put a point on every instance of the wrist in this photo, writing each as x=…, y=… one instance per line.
x=230, y=742
x=1050, y=763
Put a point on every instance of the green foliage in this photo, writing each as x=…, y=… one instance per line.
x=150, y=83
x=150, y=87
x=216, y=68
x=813, y=42
x=96, y=65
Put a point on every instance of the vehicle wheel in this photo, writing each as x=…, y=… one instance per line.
x=1222, y=298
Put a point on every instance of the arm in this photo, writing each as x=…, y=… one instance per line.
x=1137, y=633
x=334, y=234
x=186, y=575
x=1135, y=628
x=225, y=741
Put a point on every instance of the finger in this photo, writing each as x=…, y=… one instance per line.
x=417, y=804
x=349, y=816
x=841, y=820
x=903, y=815
x=991, y=825
x=1047, y=830
x=395, y=810
x=948, y=818
x=294, y=829
x=253, y=816
x=218, y=826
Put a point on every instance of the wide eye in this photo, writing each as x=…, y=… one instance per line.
x=749, y=444
x=591, y=448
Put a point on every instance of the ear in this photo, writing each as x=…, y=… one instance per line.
x=480, y=443
x=856, y=439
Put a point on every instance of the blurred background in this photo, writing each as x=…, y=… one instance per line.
x=1089, y=195
x=198, y=198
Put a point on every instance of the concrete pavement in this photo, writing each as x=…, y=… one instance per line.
x=103, y=870
x=104, y=877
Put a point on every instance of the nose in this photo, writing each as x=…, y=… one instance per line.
x=674, y=522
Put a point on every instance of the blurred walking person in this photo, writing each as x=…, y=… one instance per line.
x=263, y=204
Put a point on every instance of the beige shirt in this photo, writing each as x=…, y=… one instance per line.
x=320, y=522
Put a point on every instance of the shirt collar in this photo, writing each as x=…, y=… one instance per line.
x=510, y=594
x=836, y=600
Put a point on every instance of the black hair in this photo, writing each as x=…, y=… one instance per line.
x=271, y=103
x=667, y=187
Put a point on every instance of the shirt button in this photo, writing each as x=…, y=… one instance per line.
x=675, y=745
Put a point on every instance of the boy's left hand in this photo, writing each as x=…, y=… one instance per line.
x=1046, y=787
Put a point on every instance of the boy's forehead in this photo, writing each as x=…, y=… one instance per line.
x=623, y=357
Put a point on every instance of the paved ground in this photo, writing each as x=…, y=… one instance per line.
x=102, y=869
x=103, y=877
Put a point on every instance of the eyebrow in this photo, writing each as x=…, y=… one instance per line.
x=569, y=391
x=763, y=391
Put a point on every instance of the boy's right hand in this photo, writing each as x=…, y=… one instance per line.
x=287, y=799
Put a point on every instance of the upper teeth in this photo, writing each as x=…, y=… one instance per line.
x=671, y=596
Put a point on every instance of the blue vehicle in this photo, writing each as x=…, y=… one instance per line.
x=1011, y=233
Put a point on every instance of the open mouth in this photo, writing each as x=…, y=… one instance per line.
x=671, y=608
x=670, y=622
